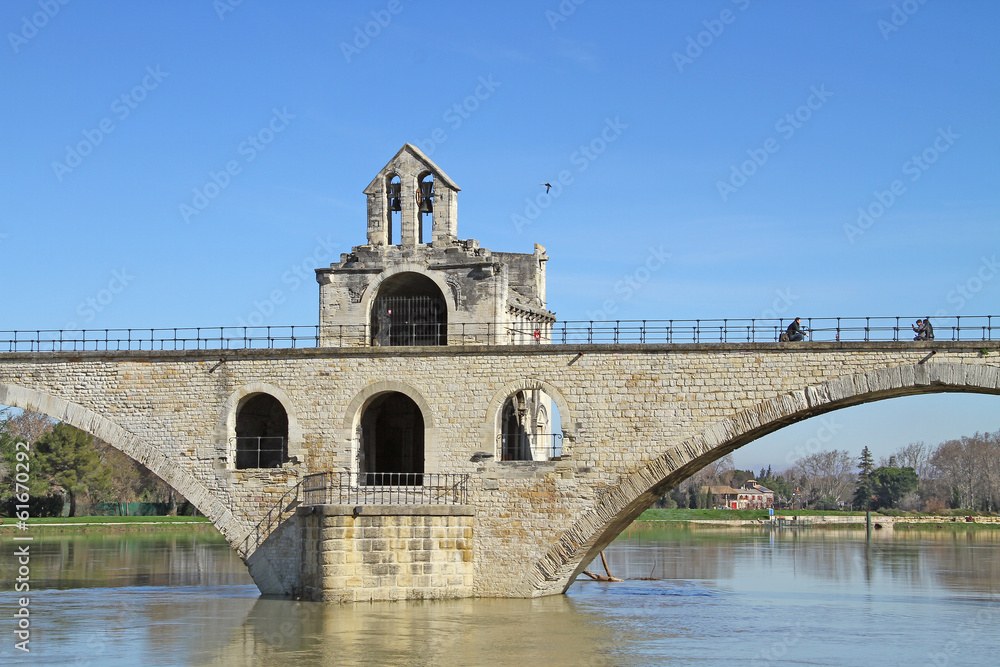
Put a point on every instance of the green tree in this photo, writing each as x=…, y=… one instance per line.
x=66, y=457
x=863, y=493
x=891, y=484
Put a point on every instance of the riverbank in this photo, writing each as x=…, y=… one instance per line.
x=106, y=524
x=816, y=519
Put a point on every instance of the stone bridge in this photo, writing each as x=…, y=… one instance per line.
x=637, y=419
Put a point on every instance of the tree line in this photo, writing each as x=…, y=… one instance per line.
x=959, y=474
x=70, y=471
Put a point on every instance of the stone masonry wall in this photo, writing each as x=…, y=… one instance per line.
x=636, y=418
x=387, y=553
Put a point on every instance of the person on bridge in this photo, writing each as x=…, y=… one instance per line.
x=924, y=329
x=795, y=331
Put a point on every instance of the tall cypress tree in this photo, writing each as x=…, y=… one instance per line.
x=863, y=492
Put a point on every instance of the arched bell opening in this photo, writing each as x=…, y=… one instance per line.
x=261, y=433
x=391, y=447
x=425, y=207
x=528, y=428
x=394, y=205
x=409, y=309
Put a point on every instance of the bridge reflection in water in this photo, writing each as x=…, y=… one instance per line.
x=734, y=595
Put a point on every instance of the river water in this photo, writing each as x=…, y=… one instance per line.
x=691, y=597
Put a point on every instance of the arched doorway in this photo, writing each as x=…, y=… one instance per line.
x=409, y=309
x=261, y=433
x=391, y=447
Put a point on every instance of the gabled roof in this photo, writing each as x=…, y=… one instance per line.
x=439, y=175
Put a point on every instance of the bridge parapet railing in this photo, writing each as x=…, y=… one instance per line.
x=572, y=332
x=385, y=488
x=176, y=338
x=830, y=329
x=529, y=446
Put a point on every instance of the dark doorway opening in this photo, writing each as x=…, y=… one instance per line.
x=261, y=433
x=409, y=309
x=392, y=441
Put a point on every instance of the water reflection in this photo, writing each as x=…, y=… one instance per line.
x=937, y=558
x=796, y=597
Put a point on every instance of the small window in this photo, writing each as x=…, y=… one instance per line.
x=261, y=433
x=529, y=428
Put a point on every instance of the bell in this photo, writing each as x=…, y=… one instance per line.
x=395, y=204
x=426, y=206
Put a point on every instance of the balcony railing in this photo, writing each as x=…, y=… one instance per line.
x=385, y=488
x=529, y=446
x=822, y=329
x=259, y=452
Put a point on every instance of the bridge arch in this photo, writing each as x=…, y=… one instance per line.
x=623, y=503
x=135, y=448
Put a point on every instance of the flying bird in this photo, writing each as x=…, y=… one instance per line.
x=547, y=186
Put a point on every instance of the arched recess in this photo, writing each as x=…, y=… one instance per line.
x=230, y=409
x=592, y=532
x=352, y=422
x=134, y=447
x=493, y=421
x=409, y=309
x=389, y=276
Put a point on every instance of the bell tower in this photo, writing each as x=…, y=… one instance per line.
x=416, y=283
x=412, y=202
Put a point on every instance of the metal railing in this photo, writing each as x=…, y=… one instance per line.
x=178, y=338
x=529, y=446
x=385, y=488
x=821, y=329
x=275, y=516
x=259, y=451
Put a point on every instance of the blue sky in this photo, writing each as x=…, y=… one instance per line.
x=739, y=137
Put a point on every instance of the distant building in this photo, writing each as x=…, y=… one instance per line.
x=750, y=496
